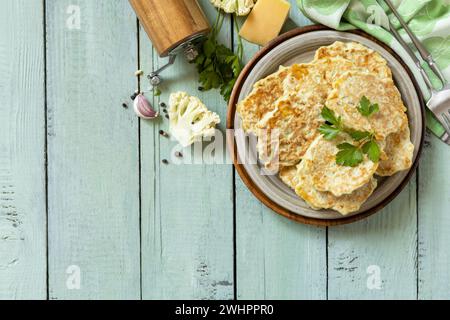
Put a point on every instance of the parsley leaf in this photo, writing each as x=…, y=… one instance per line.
x=329, y=132
x=358, y=135
x=226, y=89
x=374, y=108
x=217, y=65
x=372, y=150
x=333, y=125
x=209, y=79
x=349, y=155
x=366, y=108
x=330, y=117
x=209, y=48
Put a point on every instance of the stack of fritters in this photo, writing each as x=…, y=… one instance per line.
x=284, y=112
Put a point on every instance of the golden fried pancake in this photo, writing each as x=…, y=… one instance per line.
x=399, y=151
x=328, y=70
x=347, y=93
x=296, y=116
x=327, y=175
x=289, y=176
x=310, y=81
x=317, y=77
x=325, y=200
x=363, y=57
x=316, y=199
x=261, y=100
x=289, y=130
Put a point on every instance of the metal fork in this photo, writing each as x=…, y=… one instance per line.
x=439, y=103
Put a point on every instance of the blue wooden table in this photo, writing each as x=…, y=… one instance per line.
x=87, y=209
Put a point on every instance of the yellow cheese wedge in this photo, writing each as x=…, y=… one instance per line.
x=265, y=21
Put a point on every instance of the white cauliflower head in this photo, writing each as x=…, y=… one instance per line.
x=240, y=7
x=189, y=118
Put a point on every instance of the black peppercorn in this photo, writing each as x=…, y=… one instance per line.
x=163, y=133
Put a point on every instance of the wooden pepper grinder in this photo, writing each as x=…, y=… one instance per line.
x=173, y=26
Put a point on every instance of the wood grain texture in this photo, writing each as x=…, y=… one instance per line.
x=276, y=258
x=187, y=210
x=169, y=23
x=93, y=186
x=434, y=221
x=22, y=151
x=383, y=244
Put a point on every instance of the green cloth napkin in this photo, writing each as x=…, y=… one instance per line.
x=428, y=19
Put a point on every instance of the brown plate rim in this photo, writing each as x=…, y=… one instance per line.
x=243, y=173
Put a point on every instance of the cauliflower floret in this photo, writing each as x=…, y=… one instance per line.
x=189, y=118
x=240, y=7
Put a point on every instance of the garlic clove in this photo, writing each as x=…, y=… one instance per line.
x=143, y=108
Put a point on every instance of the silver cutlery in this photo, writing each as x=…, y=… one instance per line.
x=439, y=103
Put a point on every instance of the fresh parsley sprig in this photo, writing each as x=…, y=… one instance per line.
x=350, y=154
x=218, y=66
x=366, y=108
x=372, y=149
x=333, y=125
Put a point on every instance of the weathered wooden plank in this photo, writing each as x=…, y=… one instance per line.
x=276, y=258
x=22, y=151
x=187, y=210
x=376, y=258
x=93, y=150
x=434, y=221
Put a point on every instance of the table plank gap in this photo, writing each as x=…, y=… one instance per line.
x=138, y=82
x=44, y=18
x=235, y=294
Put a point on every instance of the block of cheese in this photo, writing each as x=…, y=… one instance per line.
x=265, y=21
